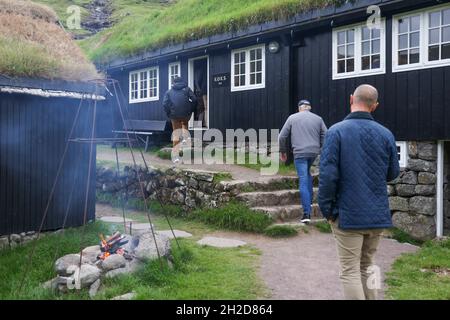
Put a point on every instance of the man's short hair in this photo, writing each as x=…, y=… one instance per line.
x=365, y=94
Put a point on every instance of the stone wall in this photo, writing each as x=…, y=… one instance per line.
x=14, y=240
x=187, y=188
x=413, y=194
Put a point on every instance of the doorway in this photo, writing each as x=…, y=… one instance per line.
x=198, y=74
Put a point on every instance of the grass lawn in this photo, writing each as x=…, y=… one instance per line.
x=199, y=272
x=424, y=275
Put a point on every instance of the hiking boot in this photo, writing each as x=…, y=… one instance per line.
x=306, y=219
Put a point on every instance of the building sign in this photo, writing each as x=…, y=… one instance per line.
x=221, y=80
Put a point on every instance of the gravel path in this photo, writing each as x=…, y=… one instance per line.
x=237, y=172
x=306, y=267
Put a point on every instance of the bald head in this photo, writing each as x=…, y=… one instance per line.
x=366, y=96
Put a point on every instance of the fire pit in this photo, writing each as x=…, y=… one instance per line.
x=115, y=255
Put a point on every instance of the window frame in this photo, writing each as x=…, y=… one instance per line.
x=247, y=85
x=177, y=63
x=424, y=62
x=358, y=71
x=138, y=73
x=403, y=159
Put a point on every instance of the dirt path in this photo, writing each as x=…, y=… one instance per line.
x=306, y=267
x=237, y=172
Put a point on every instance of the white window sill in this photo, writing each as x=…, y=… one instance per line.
x=246, y=88
x=421, y=66
x=144, y=100
x=358, y=74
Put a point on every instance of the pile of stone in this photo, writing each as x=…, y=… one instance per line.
x=14, y=240
x=72, y=276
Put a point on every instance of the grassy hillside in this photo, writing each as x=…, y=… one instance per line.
x=151, y=25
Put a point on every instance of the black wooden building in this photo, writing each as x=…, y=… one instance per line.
x=36, y=117
x=257, y=75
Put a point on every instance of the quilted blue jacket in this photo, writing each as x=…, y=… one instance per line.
x=359, y=157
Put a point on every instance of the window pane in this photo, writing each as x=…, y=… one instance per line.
x=403, y=25
x=350, y=51
x=435, y=19
x=365, y=48
x=236, y=69
x=403, y=42
x=350, y=65
x=341, y=52
x=236, y=57
x=415, y=23
x=446, y=17
x=403, y=57
x=433, y=53
x=434, y=36
x=252, y=55
x=252, y=78
x=365, y=63
x=236, y=81
x=350, y=36
x=376, y=62
x=252, y=67
x=414, y=56
x=259, y=78
x=259, y=65
x=259, y=54
x=242, y=80
x=365, y=33
x=446, y=34
x=242, y=58
x=376, y=33
x=446, y=51
x=414, y=40
x=341, y=37
x=341, y=66
x=376, y=46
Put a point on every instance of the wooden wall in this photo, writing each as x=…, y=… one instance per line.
x=33, y=133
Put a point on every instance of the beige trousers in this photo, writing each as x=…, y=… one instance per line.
x=356, y=249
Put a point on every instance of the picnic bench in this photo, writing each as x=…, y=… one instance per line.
x=144, y=129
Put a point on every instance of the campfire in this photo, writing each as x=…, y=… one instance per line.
x=113, y=245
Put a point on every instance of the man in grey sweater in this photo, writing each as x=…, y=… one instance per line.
x=303, y=134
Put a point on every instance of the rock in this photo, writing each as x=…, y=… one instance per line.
x=128, y=296
x=398, y=204
x=51, y=284
x=391, y=190
x=62, y=264
x=427, y=178
x=114, y=261
x=93, y=290
x=407, y=177
x=425, y=190
x=178, y=233
x=412, y=149
x=422, y=165
x=423, y=205
x=192, y=183
x=221, y=242
x=4, y=243
x=134, y=265
x=91, y=253
x=418, y=226
x=427, y=150
x=116, y=272
x=30, y=233
x=114, y=219
x=405, y=190
x=179, y=182
x=146, y=250
x=15, y=238
x=88, y=275
x=178, y=197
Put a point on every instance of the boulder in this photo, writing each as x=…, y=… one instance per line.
x=427, y=150
x=116, y=272
x=93, y=289
x=128, y=296
x=418, y=226
x=4, y=243
x=407, y=177
x=88, y=275
x=146, y=250
x=422, y=165
x=391, y=190
x=427, y=178
x=398, y=204
x=425, y=190
x=114, y=261
x=405, y=190
x=423, y=205
x=412, y=149
x=91, y=253
x=62, y=264
x=15, y=238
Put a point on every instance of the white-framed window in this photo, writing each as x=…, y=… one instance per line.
x=144, y=85
x=421, y=39
x=402, y=151
x=359, y=51
x=174, y=71
x=248, y=68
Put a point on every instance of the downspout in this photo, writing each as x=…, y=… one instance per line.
x=440, y=190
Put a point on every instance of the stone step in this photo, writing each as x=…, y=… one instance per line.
x=296, y=224
x=273, y=198
x=290, y=212
x=265, y=184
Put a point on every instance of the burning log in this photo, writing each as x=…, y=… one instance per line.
x=112, y=245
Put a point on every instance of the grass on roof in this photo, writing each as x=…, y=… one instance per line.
x=188, y=20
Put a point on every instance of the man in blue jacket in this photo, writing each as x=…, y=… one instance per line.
x=359, y=157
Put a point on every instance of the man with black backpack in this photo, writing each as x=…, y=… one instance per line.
x=179, y=104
